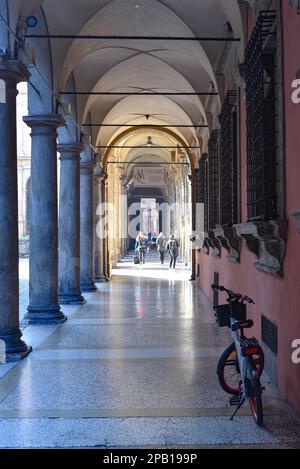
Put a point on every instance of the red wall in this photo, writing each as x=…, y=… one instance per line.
x=278, y=299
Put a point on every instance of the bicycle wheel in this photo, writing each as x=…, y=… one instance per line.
x=259, y=361
x=254, y=396
x=228, y=371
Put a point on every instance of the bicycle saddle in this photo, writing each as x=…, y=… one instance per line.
x=242, y=325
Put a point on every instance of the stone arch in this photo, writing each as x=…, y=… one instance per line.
x=42, y=98
x=70, y=132
x=169, y=132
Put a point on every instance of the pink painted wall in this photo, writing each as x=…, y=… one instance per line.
x=278, y=299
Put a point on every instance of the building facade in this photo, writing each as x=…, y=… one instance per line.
x=220, y=89
x=252, y=242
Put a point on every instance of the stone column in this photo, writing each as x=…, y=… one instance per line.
x=105, y=239
x=124, y=218
x=43, y=243
x=193, y=214
x=110, y=242
x=69, y=225
x=12, y=347
x=87, y=220
x=98, y=232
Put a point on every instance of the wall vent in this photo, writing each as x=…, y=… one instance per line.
x=269, y=334
x=216, y=292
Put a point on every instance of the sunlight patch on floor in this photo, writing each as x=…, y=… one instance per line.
x=151, y=270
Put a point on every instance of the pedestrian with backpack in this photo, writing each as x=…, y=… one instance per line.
x=141, y=245
x=161, y=247
x=173, y=248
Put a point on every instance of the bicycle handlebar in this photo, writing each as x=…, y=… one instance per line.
x=248, y=300
x=219, y=287
x=231, y=294
x=222, y=288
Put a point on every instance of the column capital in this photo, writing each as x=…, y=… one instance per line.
x=104, y=177
x=47, y=120
x=87, y=159
x=88, y=153
x=69, y=151
x=13, y=69
x=87, y=167
x=98, y=173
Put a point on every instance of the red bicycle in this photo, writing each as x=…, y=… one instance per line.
x=242, y=362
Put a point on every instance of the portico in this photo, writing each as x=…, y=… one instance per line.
x=147, y=115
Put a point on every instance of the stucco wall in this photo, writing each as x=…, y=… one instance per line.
x=276, y=298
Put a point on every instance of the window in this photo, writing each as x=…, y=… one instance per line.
x=229, y=160
x=261, y=119
x=195, y=199
x=203, y=191
x=213, y=180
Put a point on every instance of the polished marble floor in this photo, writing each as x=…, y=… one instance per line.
x=135, y=366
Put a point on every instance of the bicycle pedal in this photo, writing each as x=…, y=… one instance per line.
x=234, y=401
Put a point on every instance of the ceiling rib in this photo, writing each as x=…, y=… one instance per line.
x=145, y=147
x=145, y=163
x=133, y=38
x=145, y=126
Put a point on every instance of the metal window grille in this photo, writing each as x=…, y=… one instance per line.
x=196, y=184
x=216, y=292
x=203, y=188
x=261, y=128
x=195, y=189
x=213, y=180
x=228, y=160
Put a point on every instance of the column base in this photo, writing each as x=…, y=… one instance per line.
x=71, y=299
x=100, y=279
x=44, y=315
x=15, y=348
x=88, y=287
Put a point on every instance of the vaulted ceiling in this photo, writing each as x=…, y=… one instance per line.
x=159, y=66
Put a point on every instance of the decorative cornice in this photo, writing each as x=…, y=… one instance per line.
x=205, y=246
x=267, y=240
x=214, y=243
x=13, y=69
x=296, y=215
x=229, y=241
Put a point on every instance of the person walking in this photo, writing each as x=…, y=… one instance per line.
x=173, y=248
x=141, y=246
x=161, y=247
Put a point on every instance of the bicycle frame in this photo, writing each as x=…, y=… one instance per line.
x=245, y=365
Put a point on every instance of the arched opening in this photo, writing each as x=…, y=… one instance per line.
x=147, y=118
x=149, y=187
